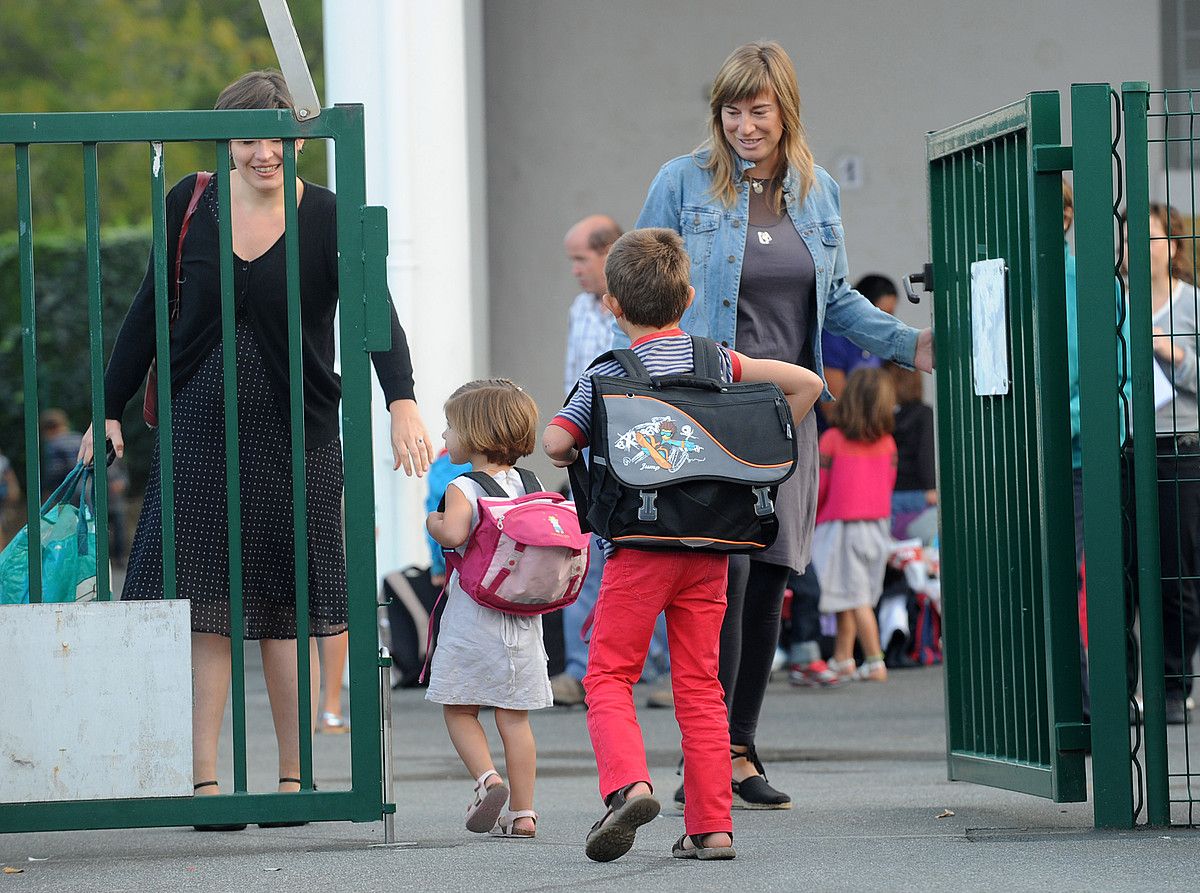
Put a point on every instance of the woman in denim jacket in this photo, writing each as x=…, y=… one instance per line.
x=762, y=224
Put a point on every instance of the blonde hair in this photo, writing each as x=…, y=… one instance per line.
x=648, y=274
x=494, y=417
x=867, y=407
x=750, y=70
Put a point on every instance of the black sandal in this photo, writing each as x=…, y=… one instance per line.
x=612, y=836
x=231, y=826
x=699, y=851
x=286, y=824
x=754, y=792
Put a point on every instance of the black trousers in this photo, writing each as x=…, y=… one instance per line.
x=1179, y=548
x=749, y=637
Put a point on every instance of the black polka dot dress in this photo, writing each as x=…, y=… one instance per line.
x=201, y=525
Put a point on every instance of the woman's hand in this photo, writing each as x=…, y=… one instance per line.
x=410, y=440
x=923, y=358
x=112, y=431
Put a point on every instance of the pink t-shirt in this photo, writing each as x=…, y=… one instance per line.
x=857, y=478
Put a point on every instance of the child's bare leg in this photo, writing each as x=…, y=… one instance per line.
x=469, y=739
x=847, y=629
x=520, y=759
x=868, y=631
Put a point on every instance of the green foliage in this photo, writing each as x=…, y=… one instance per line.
x=61, y=325
x=119, y=55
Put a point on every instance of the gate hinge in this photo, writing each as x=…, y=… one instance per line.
x=1072, y=735
x=1052, y=159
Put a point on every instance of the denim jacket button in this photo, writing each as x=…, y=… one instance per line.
x=732, y=258
x=724, y=343
x=696, y=220
x=725, y=303
x=736, y=224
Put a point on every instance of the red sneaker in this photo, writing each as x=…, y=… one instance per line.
x=813, y=675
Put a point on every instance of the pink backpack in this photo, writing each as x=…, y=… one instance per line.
x=526, y=554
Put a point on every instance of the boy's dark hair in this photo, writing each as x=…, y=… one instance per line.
x=867, y=407
x=495, y=417
x=875, y=286
x=648, y=273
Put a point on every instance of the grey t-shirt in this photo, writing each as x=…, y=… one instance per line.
x=775, y=314
x=1177, y=318
x=777, y=296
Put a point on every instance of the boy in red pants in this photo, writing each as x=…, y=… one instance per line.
x=648, y=291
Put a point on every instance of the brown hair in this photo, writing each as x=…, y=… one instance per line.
x=264, y=89
x=1182, y=260
x=867, y=407
x=909, y=385
x=648, y=274
x=748, y=71
x=494, y=417
x=1068, y=205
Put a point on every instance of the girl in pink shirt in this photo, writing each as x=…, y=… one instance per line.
x=854, y=503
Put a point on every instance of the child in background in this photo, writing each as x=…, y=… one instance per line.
x=648, y=273
x=852, y=540
x=486, y=657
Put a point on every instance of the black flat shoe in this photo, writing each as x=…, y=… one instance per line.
x=284, y=824
x=232, y=826
x=699, y=851
x=754, y=792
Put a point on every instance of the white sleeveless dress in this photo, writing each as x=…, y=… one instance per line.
x=483, y=656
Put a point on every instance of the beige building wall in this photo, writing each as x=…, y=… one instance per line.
x=585, y=100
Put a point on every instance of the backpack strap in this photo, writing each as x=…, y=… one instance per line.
x=485, y=481
x=706, y=358
x=529, y=480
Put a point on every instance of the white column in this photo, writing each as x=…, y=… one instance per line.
x=406, y=62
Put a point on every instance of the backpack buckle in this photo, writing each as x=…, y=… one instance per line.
x=648, y=512
x=765, y=505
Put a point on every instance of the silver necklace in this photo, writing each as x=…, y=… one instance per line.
x=757, y=185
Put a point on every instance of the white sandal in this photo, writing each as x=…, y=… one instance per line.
x=506, y=821
x=482, y=814
x=845, y=669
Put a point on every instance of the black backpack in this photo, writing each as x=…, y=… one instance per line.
x=684, y=461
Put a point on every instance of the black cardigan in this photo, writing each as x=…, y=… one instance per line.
x=261, y=295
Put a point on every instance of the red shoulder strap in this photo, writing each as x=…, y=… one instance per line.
x=202, y=179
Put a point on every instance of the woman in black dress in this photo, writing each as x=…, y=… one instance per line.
x=198, y=435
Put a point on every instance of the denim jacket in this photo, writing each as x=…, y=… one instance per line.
x=715, y=238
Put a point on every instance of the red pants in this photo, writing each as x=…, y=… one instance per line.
x=636, y=588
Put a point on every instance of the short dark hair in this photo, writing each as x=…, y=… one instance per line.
x=648, y=274
x=875, y=286
x=266, y=89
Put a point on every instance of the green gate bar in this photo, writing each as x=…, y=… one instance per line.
x=91, y=192
x=1135, y=102
x=33, y=476
x=163, y=298
x=291, y=236
x=233, y=496
x=1099, y=408
x=365, y=325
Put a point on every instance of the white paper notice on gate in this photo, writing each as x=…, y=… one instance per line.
x=989, y=327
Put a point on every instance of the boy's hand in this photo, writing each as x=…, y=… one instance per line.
x=568, y=460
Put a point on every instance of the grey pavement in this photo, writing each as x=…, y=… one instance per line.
x=865, y=766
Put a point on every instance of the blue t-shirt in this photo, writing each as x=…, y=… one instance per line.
x=838, y=352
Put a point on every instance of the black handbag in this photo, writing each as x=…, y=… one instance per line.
x=684, y=461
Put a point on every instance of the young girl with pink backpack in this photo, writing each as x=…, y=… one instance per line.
x=517, y=552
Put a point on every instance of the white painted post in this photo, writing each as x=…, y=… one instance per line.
x=406, y=61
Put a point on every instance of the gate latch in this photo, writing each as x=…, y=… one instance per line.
x=925, y=277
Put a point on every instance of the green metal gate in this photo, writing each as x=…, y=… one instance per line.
x=1014, y=712
x=365, y=326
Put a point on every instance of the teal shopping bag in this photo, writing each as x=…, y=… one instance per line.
x=68, y=546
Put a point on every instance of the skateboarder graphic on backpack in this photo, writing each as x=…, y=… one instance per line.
x=668, y=526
